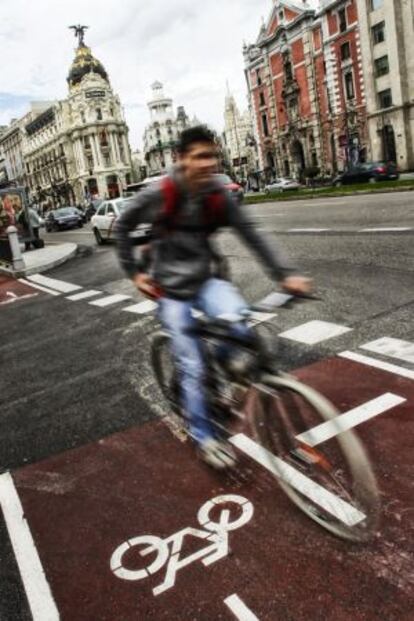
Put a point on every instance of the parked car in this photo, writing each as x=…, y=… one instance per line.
x=234, y=188
x=63, y=218
x=82, y=214
x=369, y=172
x=282, y=184
x=104, y=219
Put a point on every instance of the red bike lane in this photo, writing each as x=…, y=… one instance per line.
x=12, y=290
x=92, y=513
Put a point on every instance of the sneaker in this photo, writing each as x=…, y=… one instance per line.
x=217, y=454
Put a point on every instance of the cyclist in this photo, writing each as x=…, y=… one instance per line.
x=184, y=209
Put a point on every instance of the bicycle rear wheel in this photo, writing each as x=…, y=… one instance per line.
x=165, y=370
x=326, y=473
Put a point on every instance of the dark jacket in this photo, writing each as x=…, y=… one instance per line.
x=182, y=257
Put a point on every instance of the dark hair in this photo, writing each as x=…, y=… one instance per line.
x=200, y=133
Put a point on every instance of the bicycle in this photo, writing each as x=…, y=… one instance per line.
x=334, y=485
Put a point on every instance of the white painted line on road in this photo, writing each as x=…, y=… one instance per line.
x=58, y=285
x=348, y=420
x=239, y=609
x=394, y=348
x=112, y=299
x=332, y=504
x=392, y=229
x=379, y=364
x=257, y=318
x=39, y=287
x=314, y=332
x=39, y=595
x=84, y=295
x=142, y=308
x=307, y=230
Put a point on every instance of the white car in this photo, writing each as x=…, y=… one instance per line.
x=281, y=185
x=105, y=217
x=103, y=223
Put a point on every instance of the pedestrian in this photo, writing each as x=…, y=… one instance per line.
x=34, y=221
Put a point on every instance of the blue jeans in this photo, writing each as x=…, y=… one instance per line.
x=216, y=297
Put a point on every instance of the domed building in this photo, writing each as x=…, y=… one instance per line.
x=78, y=148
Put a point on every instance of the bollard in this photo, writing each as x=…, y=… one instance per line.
x=17, y=258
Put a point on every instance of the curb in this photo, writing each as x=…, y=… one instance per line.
x=285, y=197
x=38, y=269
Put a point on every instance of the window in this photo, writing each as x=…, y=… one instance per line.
x=381, y=66
x=378, y=33
x=262, y=99
x=376, y=4
x=258, y=77
x=101, y=210
x=281, y=16
x=385, y=98
x=342, y=20
x=345, y=51
x=83, y=118
x=265, y=125
x=349, y=85
x=99, y=114
x=110, y=210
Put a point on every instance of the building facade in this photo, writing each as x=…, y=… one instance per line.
x=78, y=148
x=162, y=134
x=305, y=83
x=387, y=41
x=239, y=140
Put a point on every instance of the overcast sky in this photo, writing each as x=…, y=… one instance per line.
x=192, y=46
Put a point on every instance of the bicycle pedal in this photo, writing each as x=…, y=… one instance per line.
x=308, y=455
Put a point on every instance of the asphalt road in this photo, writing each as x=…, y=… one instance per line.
x=93, y=465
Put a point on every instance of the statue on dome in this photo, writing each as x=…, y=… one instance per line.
x=80, y=33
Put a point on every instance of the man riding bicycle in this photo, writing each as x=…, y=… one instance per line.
x=185, y=209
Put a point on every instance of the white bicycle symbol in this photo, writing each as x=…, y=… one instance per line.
x=168, y=550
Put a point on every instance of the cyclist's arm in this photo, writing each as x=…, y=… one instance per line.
x=265, y=248
x=143, y=209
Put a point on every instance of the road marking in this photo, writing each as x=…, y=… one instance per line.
x=394, y=348
x=239, y=609
x=52, y=283
x=16, y=298
x=44, y=289
x=332, y=504
x=314, y=332
x=257, y=318
x=348, y=420
x=84, y=295
x=112, y=299
x=391, y=229
x=39, y=595
x=379, y=364
x=142, y=308
x=307, y=230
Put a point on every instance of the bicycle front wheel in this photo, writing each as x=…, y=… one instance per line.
x=323, y=468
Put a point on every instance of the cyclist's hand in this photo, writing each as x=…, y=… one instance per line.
x=297, y=285
x=146, y=286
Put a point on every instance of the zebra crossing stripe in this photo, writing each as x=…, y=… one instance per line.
x=142, y=308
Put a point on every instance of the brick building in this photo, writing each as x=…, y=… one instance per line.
x=304, y=76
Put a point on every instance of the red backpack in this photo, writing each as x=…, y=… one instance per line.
x=214, y=209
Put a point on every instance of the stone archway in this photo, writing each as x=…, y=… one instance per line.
x=298, y=156
x=389, y=150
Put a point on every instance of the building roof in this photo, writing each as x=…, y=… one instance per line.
x=83, y=64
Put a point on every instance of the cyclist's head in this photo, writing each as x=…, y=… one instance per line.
x=197, y=153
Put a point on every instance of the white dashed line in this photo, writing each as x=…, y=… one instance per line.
x=332, y=504
x=314, y=332
x=348, y=420
x=84, y=295
x=394, y=348
x=39, y=287
x=378, y=364
x=39, y=595
x=239, y=609
x=392, y=229
x=308, y=230
x=142, y=308
x=52, y=283
x=112, y=299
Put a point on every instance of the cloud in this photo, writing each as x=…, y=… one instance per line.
x=192, y=47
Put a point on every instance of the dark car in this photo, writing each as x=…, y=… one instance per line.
x=82, y=214
x=234, y=188
x=369, y=172
x=63, y=218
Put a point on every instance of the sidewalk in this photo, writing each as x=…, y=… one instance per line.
x=37, y=261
